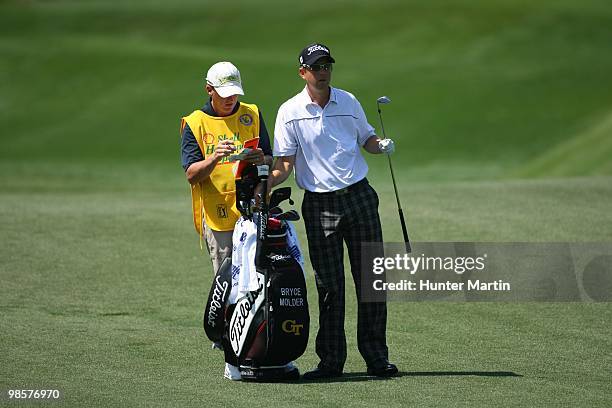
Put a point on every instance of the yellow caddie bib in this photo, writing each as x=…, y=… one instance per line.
x=214, y=199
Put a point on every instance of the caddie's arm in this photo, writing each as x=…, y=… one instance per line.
x=200, y=171
x=376, y=145
x=283, y=166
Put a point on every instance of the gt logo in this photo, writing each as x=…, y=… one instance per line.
x=289, y=326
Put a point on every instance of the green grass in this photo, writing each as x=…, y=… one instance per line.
x=103, y=289
x=501, y=116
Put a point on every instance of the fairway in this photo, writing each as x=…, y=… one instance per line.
x=501, y=115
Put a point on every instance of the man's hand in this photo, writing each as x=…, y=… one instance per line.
x=224, y=148
x=200, y=171
x=386, y=146
x=255, y=156
x=376, y=145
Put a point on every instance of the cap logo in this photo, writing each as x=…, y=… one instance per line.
x=317, y=47
x=230, y=78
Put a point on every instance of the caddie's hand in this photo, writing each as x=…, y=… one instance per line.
x=386, y=146
x=255, y=156
x=224, y=148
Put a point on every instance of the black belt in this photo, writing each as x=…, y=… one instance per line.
x=344, y=190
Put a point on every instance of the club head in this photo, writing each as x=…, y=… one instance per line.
x=274, y=211
x=384, y=100
x=290, y=215
x=279, y=195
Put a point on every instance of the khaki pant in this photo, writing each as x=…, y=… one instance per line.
x=219, y=245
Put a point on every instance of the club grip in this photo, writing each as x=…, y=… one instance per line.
x=404, y=231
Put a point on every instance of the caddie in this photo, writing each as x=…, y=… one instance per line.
x=209, y=136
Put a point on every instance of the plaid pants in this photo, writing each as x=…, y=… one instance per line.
x=350, y=215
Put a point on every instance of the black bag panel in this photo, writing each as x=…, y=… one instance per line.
x=228, y=353
x=214, y=313
x=269, y=374
x=284, y=336
x=289, y=319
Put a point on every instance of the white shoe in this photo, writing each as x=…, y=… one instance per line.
x=232, y=372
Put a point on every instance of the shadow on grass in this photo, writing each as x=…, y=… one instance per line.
x=362, y=376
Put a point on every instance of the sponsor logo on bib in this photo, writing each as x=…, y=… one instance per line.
x=222, y=211
x=246, y=119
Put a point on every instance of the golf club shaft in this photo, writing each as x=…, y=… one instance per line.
x=399, y=210
x=382, y=126
x=399, y=206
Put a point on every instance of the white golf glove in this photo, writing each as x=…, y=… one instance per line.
x=386, y=146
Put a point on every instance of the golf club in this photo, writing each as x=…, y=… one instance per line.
x=291, y=215
x=279, y=195
x=385, y=100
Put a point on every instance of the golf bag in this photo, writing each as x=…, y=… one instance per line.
x=257, y=307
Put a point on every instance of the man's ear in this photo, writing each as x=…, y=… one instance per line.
x=209, y=90
x=302, y=72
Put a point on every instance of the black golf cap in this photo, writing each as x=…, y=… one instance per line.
x=311, y=53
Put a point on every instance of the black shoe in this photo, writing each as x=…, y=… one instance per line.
x=320, y=373
x=386, y=369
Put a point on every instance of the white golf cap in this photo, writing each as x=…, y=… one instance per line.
x=225, y=78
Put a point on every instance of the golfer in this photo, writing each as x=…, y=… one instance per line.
x=209, y=136
x=320, y=132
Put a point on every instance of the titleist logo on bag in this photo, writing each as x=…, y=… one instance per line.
x=277, y=258
x=216, y=305
x=243, y=316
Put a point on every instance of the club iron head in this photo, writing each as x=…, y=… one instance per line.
x=290, y=215
x=275, y=211
x=384, y=100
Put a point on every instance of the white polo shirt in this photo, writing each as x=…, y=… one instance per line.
x=326, y=141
